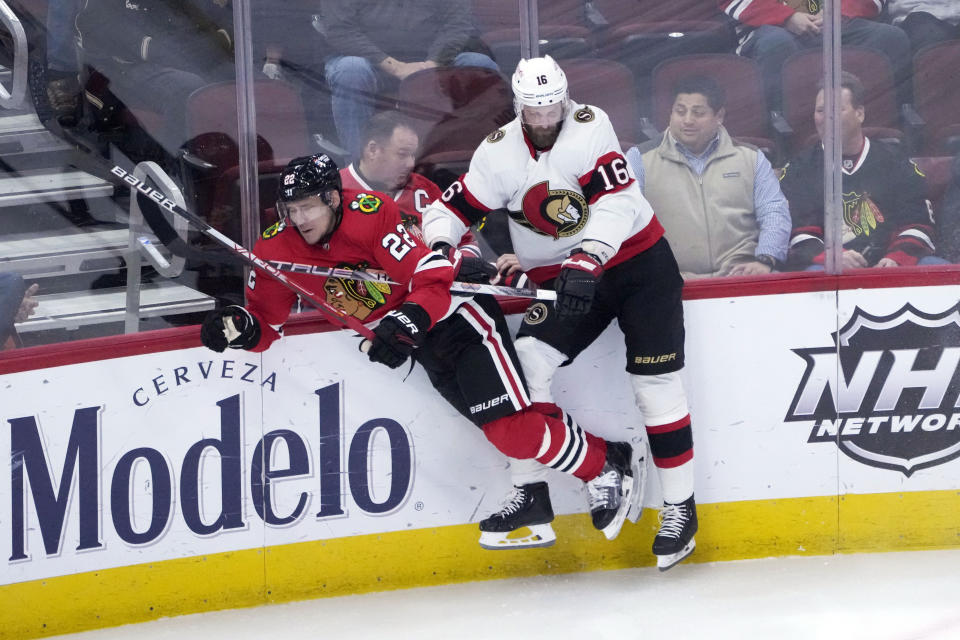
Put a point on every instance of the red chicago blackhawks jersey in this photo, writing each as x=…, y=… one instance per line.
x=412, y=200
x=371, y=236
x=580, y=189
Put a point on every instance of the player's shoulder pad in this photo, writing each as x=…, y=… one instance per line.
x=496, y=136
x=367, y=203
x=273, y=230
x=585, y=114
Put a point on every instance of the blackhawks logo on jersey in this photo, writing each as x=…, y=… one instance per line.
x=357, y=298
x=366, y=203
x=273, y=230
x=554, y=212
x=860, y=215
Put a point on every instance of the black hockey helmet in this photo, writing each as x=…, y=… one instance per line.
x=307, y=176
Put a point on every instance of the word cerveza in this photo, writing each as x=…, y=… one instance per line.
x=226, y=369
x=100, y=493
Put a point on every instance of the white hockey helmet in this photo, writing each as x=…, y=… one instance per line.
x=539, y=82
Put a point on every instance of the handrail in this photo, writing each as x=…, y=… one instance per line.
x=13, y=98
x=141, y=241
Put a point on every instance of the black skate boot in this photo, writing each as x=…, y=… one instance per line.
x=674, y=541
x=526, y=506
x=616, y=490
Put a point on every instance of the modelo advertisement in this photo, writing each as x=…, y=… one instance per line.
x=189, y=452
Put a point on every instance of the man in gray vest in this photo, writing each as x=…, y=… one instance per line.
x=719, y=200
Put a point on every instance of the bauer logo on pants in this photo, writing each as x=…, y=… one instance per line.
x=896, y=397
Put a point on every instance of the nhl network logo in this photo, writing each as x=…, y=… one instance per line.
x=896, y=404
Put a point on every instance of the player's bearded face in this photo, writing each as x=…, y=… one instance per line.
x=542, y=124
x=313, y=217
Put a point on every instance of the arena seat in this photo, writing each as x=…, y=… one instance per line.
x=937, y=97
x=563, y=28
x=746, y=117
x=211, y=159
x=453, y=109
x=802, y=73
x=610, y=86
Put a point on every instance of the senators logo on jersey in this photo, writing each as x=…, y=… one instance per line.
x=553, y=212
x=584, y=114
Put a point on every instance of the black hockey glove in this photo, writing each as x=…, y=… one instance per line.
x=398, y=334
x=468, y=268
x=232, y=326
x=576, y=284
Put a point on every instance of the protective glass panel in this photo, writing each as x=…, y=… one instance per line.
x=118, y=99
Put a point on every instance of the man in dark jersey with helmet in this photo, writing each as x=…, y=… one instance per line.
x=462, y=343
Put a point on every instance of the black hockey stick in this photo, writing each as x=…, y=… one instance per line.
x=151, y=202
x=172, y=240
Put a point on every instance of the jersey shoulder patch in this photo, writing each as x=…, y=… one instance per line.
x=273, y=230
x=496, y=136
x=584, y=114
x=366, y=203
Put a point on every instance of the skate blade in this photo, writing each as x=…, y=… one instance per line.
x=672, y=559
x=639, y=490
x=612, y=530
x=540, y=535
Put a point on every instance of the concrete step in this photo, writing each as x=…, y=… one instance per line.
x=37, y=186
x=74, y=310
x=44, y=255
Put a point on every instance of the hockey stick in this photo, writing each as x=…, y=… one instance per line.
x=151, y=200
x=172, y=240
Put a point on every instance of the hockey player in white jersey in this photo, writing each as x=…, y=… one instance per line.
x=580, y=224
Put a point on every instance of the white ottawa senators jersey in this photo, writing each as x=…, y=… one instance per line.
x=580, y=189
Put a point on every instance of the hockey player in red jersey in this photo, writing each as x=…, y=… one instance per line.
x=462, y=343
x=579, y=222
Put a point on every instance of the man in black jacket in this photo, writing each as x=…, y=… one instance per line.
x=885, y=215
x=155, y=53
x=377, y=43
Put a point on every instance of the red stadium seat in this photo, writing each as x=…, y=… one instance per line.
x=610, y=86
x=211, y=161
x=937, y=96
x=746, y=110
x=453, y=109
x=802, y=73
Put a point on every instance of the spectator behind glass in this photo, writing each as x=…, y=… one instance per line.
x=718, y=200
x=386, y=164
x=771, y=31
x=948, y=218
x=376, y=43
x=886, y=222
x=155, y=53
x=16, y=304
x=926, y=22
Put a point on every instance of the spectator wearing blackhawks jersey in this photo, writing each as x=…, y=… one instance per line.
x=886, y=222
x=387, y=157
x=462, y=343
x=579, y=222
x=770, y=31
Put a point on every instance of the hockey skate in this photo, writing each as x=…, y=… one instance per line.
x=674, y=541
x=615, y=491
x=526, y=507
